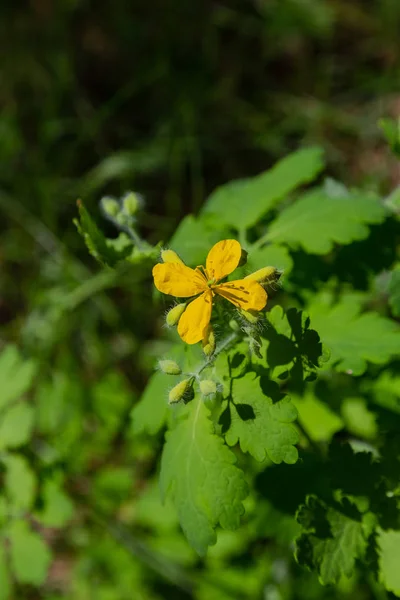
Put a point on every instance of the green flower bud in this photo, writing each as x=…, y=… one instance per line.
x=169, y=367
x=208, y=387
x=131, y=203
x=182, y=391
x=234, y=325
x=110, y=206
x=251, y=316
x=208, y=342
x=169, y=256
x=265, y=276
x=175, y=314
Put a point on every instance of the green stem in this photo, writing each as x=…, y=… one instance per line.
x=98, y=283
x=259, y=243
x=224, y=344
x=135, y=237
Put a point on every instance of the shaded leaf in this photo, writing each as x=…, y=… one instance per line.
x=332, y=540
x=270, y=432
x=353, y=338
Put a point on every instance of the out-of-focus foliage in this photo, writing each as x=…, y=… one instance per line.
x=191, y=106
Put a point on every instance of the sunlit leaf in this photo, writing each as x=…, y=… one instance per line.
x=199, y=473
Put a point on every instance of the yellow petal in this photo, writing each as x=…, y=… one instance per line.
x=243, y=293
x=223, y=258
x=178, y=280
x=193, y=323
x=168, y=256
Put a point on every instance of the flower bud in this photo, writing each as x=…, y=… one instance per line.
x=251, y=316
x=182, y=389
x=265, y=276
x=131, y=203
x=208, y=342
x=234, y=325
x=207, y=387
x=169, y=256
x=110, y=206
x=175, y=314
x=169, y=367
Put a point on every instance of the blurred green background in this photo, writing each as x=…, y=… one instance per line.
x=169, y=99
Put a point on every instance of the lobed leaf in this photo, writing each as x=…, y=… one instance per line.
x=389, y=553
x=193, y=239
x=353, y=338
x=332, y=539
x=318, y=220
x=107, y=254
x=262, y=427
x=199, y=473
x=242, y=203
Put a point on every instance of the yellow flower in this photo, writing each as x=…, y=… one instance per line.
x=176, y=279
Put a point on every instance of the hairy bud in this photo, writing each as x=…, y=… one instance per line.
x=182, y=391
x=265, y=276
x=169, y=367
x=169, y=256
x=208, y=342
x=208, y=387
x=110, y=206
x=250, y=315
x=175, y=314
x=131, y=203
x=234, y=325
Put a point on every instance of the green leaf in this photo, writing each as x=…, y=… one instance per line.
x=16, y=375
x=317, y=220
x=98, y=246
x=332, y=539
x=20, y=481
x=262, y=427
x=318, y=420
x=389, y=553
x=394, y=292
x=16, y=425
x=271, y=255
x=150, y=413
x=243, y=203
x=291, y=345
x=359, y=420
x=353, y=338
x=5, y=580
x=58, y=508
x=199, y=473
x=194, y=238
x=29, y=555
